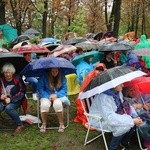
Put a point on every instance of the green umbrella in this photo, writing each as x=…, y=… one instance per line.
x=97, y=56
x=8, y=32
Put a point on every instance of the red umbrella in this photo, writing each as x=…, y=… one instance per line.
x=141, y=84
x=31, y=48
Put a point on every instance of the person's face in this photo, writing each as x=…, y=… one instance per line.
x=28, y=56
x=8, y=75
x=118, y=88
x=54, y=72
x=132, y=93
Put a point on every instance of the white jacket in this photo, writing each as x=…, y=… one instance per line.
x=105, y=106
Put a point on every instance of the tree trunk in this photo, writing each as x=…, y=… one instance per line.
x=2, y=12
x=117, y=17
x=44, y=18
x=137, y=18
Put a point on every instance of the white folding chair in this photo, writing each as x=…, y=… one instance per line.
x=52, y=114
x=86, y=103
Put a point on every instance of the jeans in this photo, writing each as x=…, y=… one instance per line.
x=124, y=139
x=11, y=110
x=33, y=81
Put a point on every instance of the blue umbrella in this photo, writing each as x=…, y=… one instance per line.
x=38, y=67
x=49, y=40
x=9, y=32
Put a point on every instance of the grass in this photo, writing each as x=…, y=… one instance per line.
x=32, y=139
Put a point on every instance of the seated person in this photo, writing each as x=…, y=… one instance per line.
x=108, y=60
x=143, y=110
x=116, y=116
x=12, y=92
x=31, y=80
x=83, y=68
x=52, y=89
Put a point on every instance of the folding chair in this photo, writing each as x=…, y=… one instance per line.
x=52, y=114
x=86, y=104
x=139, y=140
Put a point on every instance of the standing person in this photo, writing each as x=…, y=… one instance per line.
x=108, y=60
x=32, y=80
x=52, y=89
x=3, y=41
x=117, y=116
x=12, y=92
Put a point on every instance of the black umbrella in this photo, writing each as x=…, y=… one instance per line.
x=110, y=79
x=115, y=46
x=16, y=59
x=74, y=41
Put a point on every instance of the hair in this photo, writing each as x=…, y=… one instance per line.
x=54, y=82
x=8, y=67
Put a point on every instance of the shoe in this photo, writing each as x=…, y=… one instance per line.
x=34, y=96
x=43, y=128
x=18, y=130
x=61, y=128
x=126, y=146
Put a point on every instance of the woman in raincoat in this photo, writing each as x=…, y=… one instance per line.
x=52, y=89
x=109, y=105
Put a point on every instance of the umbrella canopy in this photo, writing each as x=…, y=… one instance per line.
x=110, y=79
x=49, y=40
x=51, y=46
x=97, y=56
x=88, y=45
x=9, y=32
x=31, y=48
x=19, y=39
x=38, y=67
x=20, y=44
x=3, y=50
x=17, y=60
x=74, y=41
x=31, y=32
x=141, y=84
x=142, y=52
x=62, y=49
x=115, y=46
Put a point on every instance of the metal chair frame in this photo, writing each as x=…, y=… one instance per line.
x=66, y=108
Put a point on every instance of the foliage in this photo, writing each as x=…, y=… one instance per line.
x=78, y=25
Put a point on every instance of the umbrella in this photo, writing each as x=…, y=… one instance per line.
x=9, y=32
x=16, y=59
x=141, y=84
x=115, y=46
x=97, y=56
x=110, y=79
x=20, y=44
x=3, y=50
x=51, y=46
x=19, y=39
x=31, y=32
x=49, y=40
x=142, y=52
x=62, y=49
x=88, y=45
x=74, y=41
x=31, y=48
x=38, y=67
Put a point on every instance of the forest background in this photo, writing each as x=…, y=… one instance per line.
x=53, y=18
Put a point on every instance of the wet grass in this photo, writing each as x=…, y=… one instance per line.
x=32, y=139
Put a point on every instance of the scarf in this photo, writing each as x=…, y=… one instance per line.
x=122, y=108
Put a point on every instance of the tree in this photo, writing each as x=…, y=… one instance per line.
x=2, y=12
